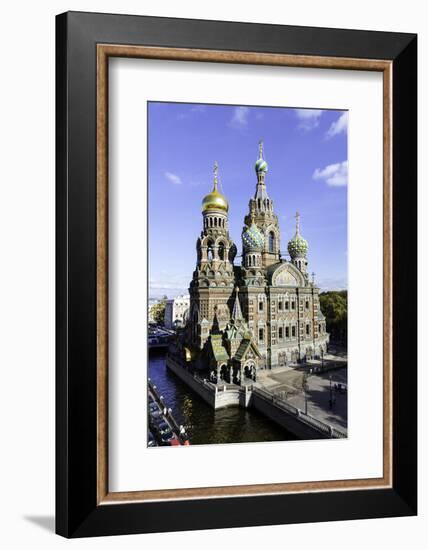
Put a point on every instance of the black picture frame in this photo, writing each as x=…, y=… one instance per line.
x=77, y=512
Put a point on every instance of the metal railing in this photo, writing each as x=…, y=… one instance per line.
x=307, y=419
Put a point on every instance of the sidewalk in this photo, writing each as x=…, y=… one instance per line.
x=287, y=382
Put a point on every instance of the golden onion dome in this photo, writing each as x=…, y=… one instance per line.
x=215, y=200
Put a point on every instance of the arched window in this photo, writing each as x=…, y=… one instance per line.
x=210, y=251
x=221, y=251
x=271, y=241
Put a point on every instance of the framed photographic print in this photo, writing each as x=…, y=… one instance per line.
x=236, y=254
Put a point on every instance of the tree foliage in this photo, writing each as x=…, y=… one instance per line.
x=334, y=305
x=157, y=311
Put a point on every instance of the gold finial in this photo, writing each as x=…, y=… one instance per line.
x=215, y=175
x=261, y=149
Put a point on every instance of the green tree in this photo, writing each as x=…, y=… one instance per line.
x=157, y=311
x=334, y=305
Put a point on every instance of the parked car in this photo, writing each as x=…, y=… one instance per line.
x=163, y=428
x=167, y=438
x=151, y=442
x=155, y=415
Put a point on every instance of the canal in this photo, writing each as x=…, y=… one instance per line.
x=205, y=425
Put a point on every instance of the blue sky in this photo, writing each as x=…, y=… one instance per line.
x=306, y=150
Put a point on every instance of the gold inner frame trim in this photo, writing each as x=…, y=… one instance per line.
x=104, y=51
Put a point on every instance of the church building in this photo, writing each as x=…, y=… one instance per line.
x=262, y=314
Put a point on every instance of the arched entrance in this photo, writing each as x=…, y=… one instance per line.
x=250, y=370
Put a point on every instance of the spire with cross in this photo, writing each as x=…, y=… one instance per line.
x=237, y=312
x=215, y=170
x=297, y=216
x=261, y=149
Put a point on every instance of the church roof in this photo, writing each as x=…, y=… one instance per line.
x=219, y=350
x=237, y=313
x=242, y=349
x=321, y=315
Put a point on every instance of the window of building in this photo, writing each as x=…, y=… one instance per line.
x=319, y=328
x=287, y=332
x=271, y=241
x=280, y=333
x=261, y=334
x=280, y=304
x=221, y=251
x=307, y=304
x=261, y=305
x=293, y=305
x=308, y=330
x=287, y=304
x=293, y=331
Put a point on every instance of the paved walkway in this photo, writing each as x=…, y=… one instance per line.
x=288, y=382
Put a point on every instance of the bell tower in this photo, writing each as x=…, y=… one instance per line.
x=213, y=279
x=262, y=214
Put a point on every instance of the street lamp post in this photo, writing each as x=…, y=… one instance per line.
x=305, y=390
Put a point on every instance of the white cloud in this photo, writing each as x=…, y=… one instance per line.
x=339, y=126
x=332, y=284
x=335, y=175
x=198, y=109
x=173, y=178
x=188, y=113
x=308, y=118
x=240, y=117
x=169, y=283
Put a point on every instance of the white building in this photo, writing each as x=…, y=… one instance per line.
x=176, y=310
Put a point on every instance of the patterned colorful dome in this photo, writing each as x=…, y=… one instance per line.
x=261, y=165
x=297, y=247
x=252, y=238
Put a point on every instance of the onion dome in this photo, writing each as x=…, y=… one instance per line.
x=252, y=238
x=215, y=200
x=297, y=246
x=261, y=165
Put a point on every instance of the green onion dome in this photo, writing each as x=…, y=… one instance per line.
x=261, y=165
x=252, y=238
x=297, y=247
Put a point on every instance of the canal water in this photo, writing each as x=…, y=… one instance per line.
x=205, y=425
